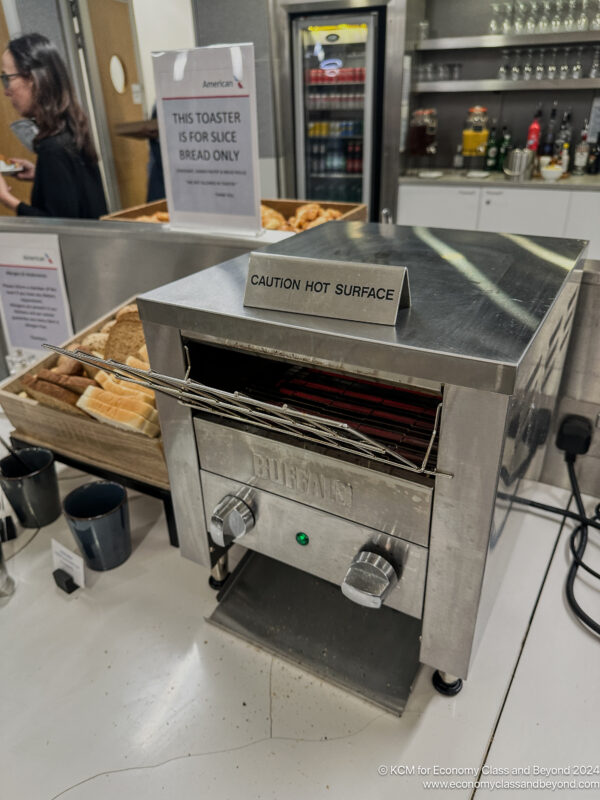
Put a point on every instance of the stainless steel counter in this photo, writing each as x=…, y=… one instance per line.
x=477, y=301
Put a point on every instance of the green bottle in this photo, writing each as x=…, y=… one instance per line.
x=491, y=151
x=505, y=146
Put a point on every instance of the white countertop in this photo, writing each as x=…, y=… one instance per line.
x=585, y=183
x=123, y=690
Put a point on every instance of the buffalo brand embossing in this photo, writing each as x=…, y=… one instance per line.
x=302, y=480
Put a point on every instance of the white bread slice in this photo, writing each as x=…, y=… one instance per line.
x=132, y=361
x=124, y=388
x=143, y=353
x=119, y=417
x=122, y=401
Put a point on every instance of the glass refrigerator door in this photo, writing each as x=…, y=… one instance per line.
x=334, y=80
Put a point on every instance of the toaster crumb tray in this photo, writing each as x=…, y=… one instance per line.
x=308, y=622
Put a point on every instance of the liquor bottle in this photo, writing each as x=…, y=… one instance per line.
x=564, y=158
x=491, y=151
x=593, y=166
x=535, y=131
x=359, y=159
x=547, y=148
x=564, y=135
x=582, y=152
x=505, y=146
x=459, y=160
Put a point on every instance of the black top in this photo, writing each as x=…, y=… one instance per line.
x=64, y=185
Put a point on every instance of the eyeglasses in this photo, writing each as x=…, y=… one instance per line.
x=5, y=78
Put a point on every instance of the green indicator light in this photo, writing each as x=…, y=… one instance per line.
x=302, y=538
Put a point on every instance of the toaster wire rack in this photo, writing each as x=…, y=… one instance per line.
x=281, y=419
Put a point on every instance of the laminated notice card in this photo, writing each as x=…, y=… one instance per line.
x=208, y=130
x=33, y=298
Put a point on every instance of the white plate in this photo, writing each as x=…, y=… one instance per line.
x=430, y=173
x=8, y=168
x=477, y=173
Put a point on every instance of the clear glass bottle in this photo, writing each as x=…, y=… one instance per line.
x=582, y=152
x=552, y=65
x=504, y=68
x=564, y=69
x=516, y=70
x=528, y=65
x=540, y=67
x=595, y=20
x=577, y=65
x=595, y=67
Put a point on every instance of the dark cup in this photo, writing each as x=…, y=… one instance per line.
x=98, y=516
x=32, y=493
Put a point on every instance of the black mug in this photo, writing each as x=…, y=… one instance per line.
x=33, y=492
x=98, y=516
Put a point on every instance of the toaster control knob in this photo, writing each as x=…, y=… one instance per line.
x=230, y=520
x=369, y=579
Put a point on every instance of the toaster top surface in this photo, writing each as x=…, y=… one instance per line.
x=477, y=302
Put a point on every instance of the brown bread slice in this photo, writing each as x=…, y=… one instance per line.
x=49, y=394
x=119, y=417
x=122, y=401
x=128, y=312
x=76, y=383
x=124, y=339
x=96, y=342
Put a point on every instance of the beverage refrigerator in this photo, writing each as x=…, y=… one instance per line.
x=338, y=76
x=335, y=83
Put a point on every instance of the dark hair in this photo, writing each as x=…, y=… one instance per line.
x=55, y=106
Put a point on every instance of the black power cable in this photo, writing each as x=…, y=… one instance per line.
x=574, y=437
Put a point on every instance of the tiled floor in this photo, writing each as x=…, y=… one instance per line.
x=122, y=690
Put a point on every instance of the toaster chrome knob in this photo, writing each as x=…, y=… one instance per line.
x=369, y=579
x=230, y=520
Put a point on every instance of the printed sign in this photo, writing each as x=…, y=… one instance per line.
x=323, y=288
x=72, y=563
x=33, y=297
x=208, y=130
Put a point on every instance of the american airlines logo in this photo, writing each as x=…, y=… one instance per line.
x=310, y=484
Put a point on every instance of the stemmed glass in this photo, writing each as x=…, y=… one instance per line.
x=569, y=22
x=504, y=68
x=556, y=23
x=520, y=16
x=528, y=66
x=507, y=18
x=516, y=72
x=495, y=25
x=564, y=69
x=551, y=67
x=582, y=22
x=532, y=17
x=540, y=69
x=577, y=66
x=595, y=68
x=543, y=23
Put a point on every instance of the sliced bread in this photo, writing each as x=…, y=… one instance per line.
x=140, y=407
x=50, y=394
x=119, y=417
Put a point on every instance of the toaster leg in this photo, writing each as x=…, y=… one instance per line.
x=219, y=573
x=446, y=684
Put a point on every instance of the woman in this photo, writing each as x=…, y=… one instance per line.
x=66, y=178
